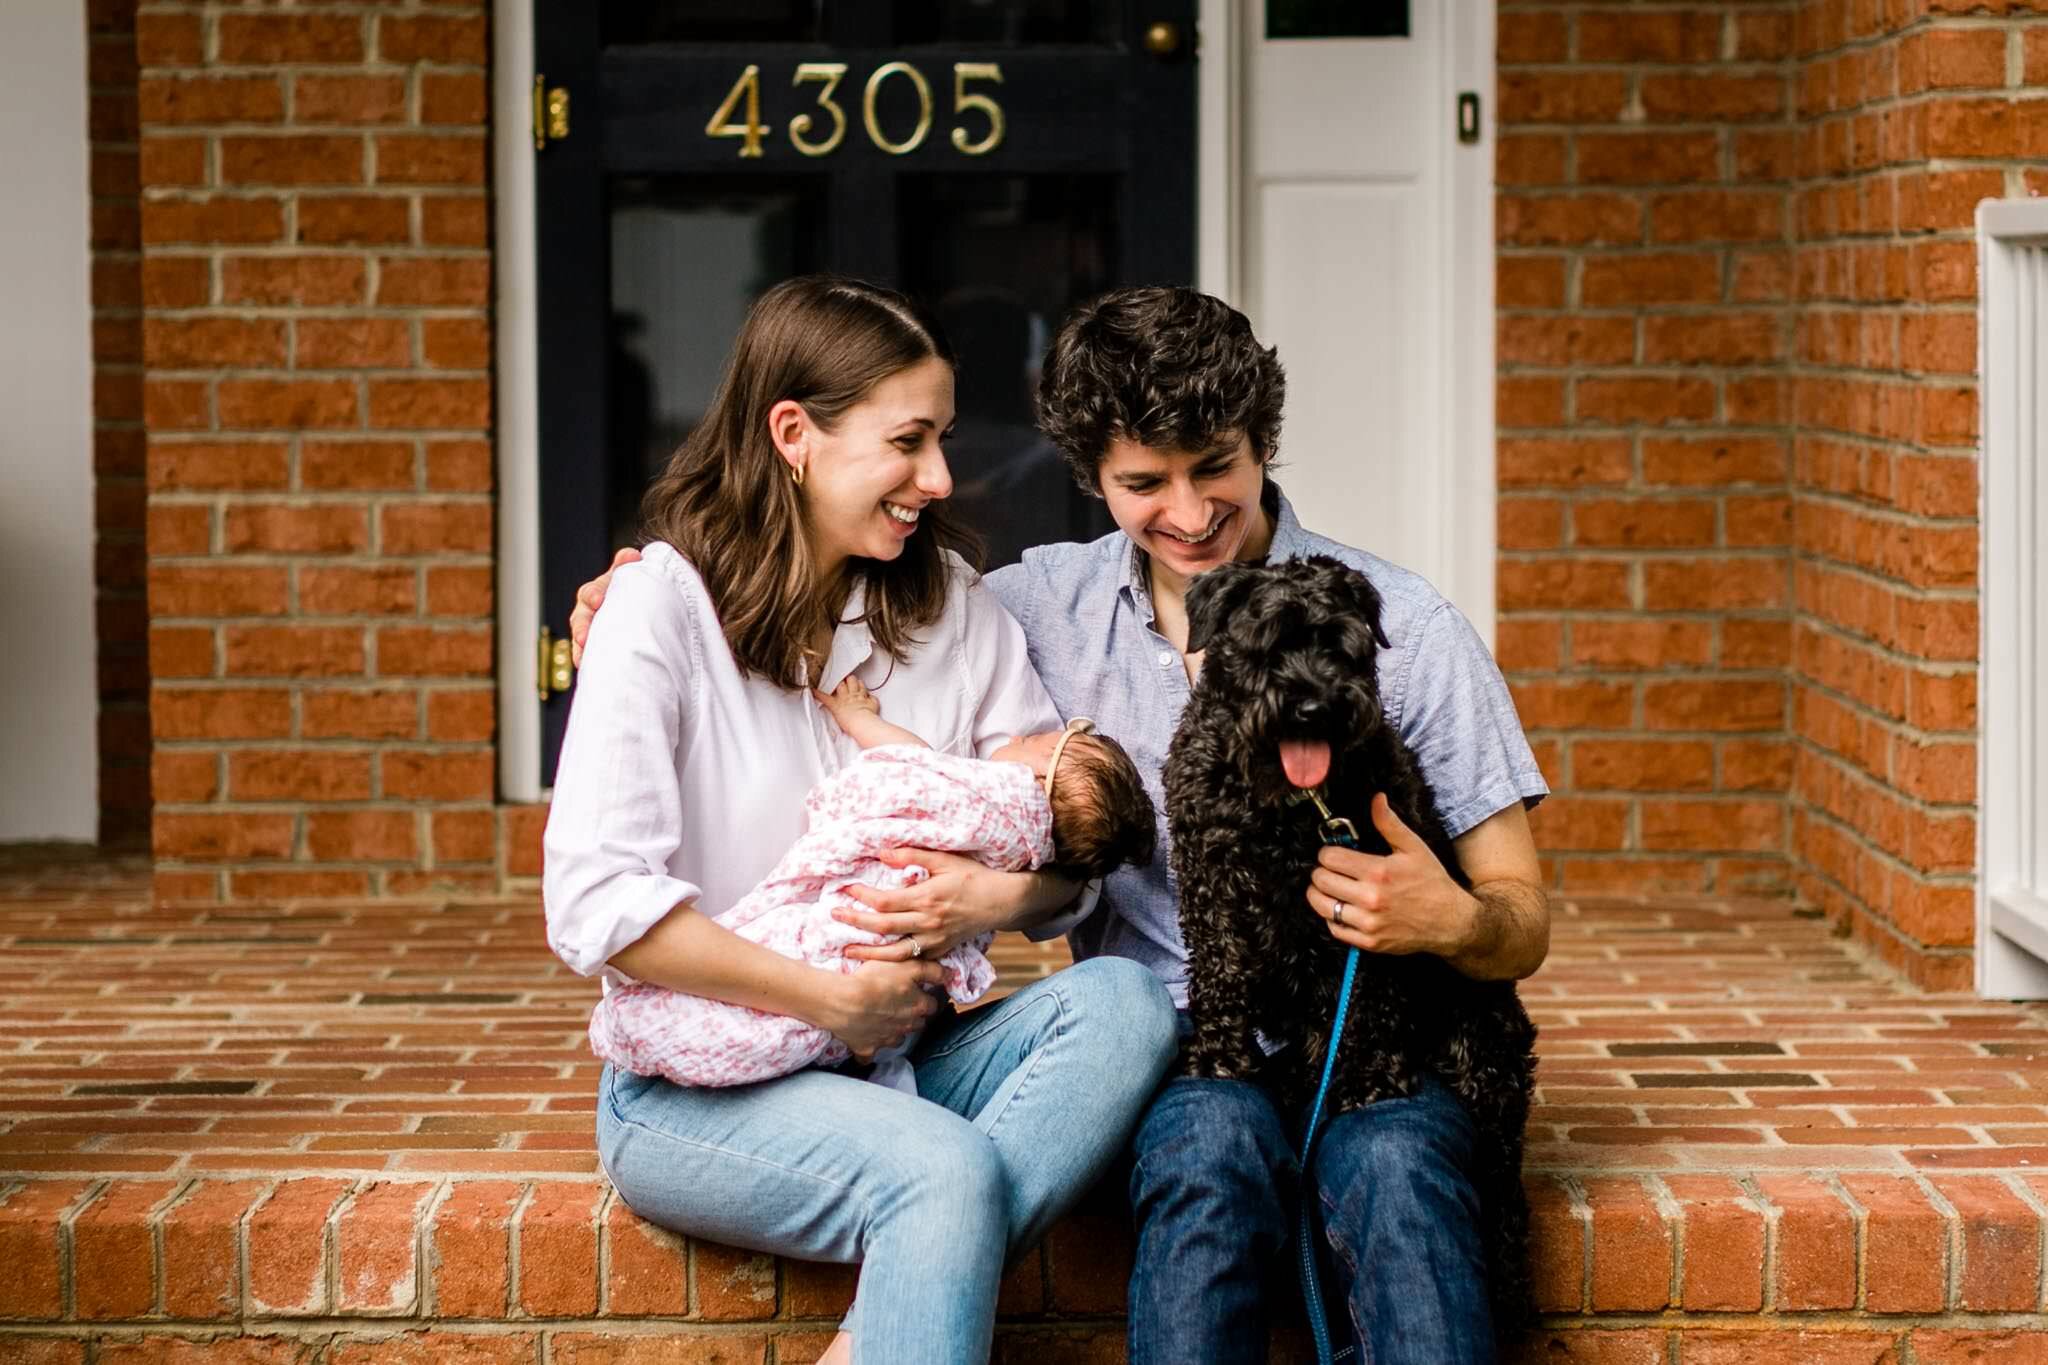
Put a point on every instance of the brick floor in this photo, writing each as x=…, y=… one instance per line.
x=362, y=1132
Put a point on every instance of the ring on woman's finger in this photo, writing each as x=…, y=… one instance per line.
x=1337, y=912
x=916, y=948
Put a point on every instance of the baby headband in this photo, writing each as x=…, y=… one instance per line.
x=1079, y=725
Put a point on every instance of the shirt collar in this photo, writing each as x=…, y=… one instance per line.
x=852, y=643
x=1290, y=541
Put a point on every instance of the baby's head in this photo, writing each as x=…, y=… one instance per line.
x=1102, y=818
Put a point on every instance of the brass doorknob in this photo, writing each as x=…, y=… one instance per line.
x=1162, y=39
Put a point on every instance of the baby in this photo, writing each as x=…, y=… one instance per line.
x=1090, y=816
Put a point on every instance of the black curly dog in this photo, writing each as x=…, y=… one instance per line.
x=1288, y=654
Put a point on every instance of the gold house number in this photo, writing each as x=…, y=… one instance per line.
x=804, y=130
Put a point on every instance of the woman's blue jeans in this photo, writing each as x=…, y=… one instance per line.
x=1020, y=1107
x=1215, y=1187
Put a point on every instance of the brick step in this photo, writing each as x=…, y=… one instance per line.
x=1811, y=1266
x=320, y=1132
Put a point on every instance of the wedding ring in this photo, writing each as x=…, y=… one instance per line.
x=916, y=948
x=1337, y=912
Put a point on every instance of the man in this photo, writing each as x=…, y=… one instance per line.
x=1165, y=405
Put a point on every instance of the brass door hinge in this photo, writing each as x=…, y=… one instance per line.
x=550, y=113
x=555, y=672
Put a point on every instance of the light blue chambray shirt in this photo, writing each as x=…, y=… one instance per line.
x=1089, y=626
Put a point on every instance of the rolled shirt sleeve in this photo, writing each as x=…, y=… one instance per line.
x=614, y=828
x=1459, y=719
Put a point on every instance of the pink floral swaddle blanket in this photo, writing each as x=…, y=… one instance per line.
x=896, y=796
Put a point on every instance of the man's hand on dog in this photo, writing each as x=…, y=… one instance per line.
x=1402, y=902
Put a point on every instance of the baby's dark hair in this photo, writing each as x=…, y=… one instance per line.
x=1102, y=817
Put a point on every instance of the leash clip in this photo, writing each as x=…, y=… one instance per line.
x=1335, y=828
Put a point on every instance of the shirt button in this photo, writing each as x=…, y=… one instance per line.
x=1165, y=658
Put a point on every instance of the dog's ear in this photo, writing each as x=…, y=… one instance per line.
x=1213, y=598
x=1363, y=598
x=1369, y=606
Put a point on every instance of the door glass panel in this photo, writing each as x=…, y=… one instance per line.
x=1018, y=22
x=1336, y=18
x=689, y=256
x=1001, y=259
x=1008, y=21
x=711, y=21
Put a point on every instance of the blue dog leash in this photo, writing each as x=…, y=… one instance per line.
x=1335, y=830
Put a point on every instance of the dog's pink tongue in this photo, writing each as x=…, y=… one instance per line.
x=1306, y=761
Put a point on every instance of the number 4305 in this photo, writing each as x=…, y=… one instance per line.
x=805, y=135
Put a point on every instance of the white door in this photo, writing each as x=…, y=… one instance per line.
x=1368, y=260
x=49, y=763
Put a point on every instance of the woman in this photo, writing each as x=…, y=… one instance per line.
x=796, y=539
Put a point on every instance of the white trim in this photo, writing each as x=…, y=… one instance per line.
x=1219, y=155
x=2012, y=748
x=1470, y=514
x=518, y=404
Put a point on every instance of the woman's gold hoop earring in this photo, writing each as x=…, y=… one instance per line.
x=796, y=475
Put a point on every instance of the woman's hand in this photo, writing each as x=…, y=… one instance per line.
x=880, y=1005
x=960, y=899
x=589, y=598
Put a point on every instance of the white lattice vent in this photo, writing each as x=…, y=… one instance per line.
x=2012, y=762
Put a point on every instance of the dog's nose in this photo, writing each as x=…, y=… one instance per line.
x=1308, y=712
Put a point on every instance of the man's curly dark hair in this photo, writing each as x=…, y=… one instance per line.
x=1168, y=368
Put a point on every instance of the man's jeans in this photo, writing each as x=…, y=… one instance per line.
x=1214, y=1190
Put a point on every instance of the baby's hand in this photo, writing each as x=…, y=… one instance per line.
x=859, y=715
x=850, y=697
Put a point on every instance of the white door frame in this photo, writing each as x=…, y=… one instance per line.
x=2012, y=586
x=517, y=389
x=1466, y=376
x=49, y=744
x=1470, y=514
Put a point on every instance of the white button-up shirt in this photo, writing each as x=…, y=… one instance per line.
x=682, y=781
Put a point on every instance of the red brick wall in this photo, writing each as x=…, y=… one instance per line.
x=317, y=398
x=1645, y=273
x=1909, y=116
x=121, y=617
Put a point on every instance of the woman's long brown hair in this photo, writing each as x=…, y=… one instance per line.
x=726, y=500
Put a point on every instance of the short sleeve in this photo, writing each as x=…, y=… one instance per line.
x=612, y=831
x=1458, y=718
x=1012, y=700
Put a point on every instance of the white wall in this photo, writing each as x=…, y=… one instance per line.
x=49, y=763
